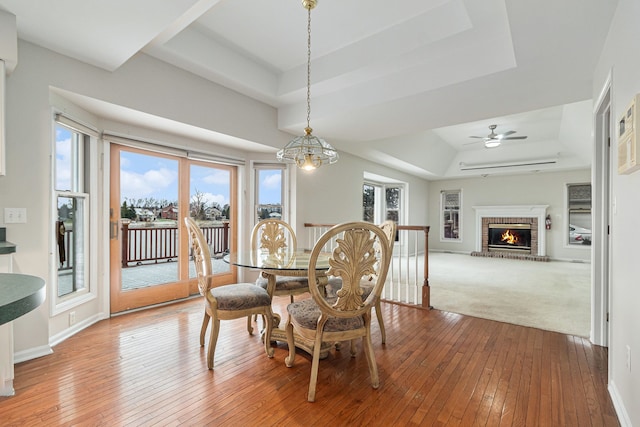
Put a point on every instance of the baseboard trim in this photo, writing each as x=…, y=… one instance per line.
x=32, y=353
x=621, y=411
x=58, y=338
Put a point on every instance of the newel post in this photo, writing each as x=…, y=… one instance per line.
x=426, y=290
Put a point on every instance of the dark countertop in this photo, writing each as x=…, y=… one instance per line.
x=19, y=294
x=7, y=248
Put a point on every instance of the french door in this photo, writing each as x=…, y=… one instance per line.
x=151, y=193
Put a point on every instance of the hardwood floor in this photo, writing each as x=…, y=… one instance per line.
x=437, y=368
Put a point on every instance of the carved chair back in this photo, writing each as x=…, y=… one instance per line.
x=273, y=235
x=362, y=253
x=201, y=256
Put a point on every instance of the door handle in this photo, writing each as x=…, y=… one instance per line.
x=113, y=230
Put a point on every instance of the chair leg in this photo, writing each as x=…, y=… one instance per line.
x=371, y=359
x=203, y=329
x=249, y=327
x=315, y=363
x=291, y=343
x=353, y=348
x=381, y=322
x=268, y=320
x=215, y=328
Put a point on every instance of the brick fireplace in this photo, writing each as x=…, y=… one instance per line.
x=517, y=219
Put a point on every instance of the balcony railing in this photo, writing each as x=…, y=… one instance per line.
x=408, y=277
x=152, y=244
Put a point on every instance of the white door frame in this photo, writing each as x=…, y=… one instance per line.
x=601, y=249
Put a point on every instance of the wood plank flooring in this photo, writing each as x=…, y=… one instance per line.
x=437, y=369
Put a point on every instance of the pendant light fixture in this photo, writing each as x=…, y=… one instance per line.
x=308, y=152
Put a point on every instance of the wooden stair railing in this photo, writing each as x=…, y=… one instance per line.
x=404, y=274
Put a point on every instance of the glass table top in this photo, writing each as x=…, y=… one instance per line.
x=287, y=260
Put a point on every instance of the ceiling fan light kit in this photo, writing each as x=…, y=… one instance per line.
x=492, y=143
x=494, y=139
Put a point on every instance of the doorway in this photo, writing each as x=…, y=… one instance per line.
x=151, y=193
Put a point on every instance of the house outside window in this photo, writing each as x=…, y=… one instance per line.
x=269, y=194
x=450, y=217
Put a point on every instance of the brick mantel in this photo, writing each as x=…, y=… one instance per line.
x=538, y=212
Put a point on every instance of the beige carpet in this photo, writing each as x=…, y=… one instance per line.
x=553, y=295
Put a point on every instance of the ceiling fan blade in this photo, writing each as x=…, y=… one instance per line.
x=502, y=135
x=515, y=137
x=481, y=137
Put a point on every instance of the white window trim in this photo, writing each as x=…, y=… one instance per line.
x=566, y=220
x=58, y=304
x=256, y=166
x=380, y=209
x=460, y=219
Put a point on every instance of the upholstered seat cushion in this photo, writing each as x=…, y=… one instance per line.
x=335, y=283
x=240, y=296
x=285, y=283
x=307, y=312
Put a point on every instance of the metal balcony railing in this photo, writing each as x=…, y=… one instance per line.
x=143, y=245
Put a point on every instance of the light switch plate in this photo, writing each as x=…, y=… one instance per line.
x=15, y=215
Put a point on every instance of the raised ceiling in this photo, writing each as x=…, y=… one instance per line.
x=401, y=83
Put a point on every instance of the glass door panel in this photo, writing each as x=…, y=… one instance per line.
x=145, y=212
x=210, y=206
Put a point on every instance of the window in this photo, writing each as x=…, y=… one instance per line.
x=269, y=195
x=381, y=202
x=72, y=202
x=75, y=178
x=579, y=214
x=450, y=203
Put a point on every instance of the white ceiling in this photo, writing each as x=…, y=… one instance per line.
x=403, y=83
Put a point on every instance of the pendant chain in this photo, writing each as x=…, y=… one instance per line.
x=309, y=67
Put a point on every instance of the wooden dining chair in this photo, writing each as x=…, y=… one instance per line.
x=273, y=236
x=389, y=227
x=224, y=302
x=362, y=254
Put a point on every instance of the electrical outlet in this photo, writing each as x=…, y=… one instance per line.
x=628, y=358
x=72, y=318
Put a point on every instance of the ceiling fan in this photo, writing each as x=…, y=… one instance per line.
x=494, y=139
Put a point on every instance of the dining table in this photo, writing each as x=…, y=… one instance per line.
x=285, y=263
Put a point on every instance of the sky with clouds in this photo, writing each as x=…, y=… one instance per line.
x=144, y=176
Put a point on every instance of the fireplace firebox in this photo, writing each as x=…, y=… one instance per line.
x=509, y=238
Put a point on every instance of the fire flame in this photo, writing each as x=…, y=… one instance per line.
x=509, y=237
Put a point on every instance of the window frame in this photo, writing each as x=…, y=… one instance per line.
x=380, y=193
x=569, y=209
x=84, y=181
x=257, y=168
x=443, y=194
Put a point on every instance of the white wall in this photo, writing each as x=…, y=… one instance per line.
x=621, y=59
x=333, y=194
x=531, y=189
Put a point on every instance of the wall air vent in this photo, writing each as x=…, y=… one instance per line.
x=497, y=165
